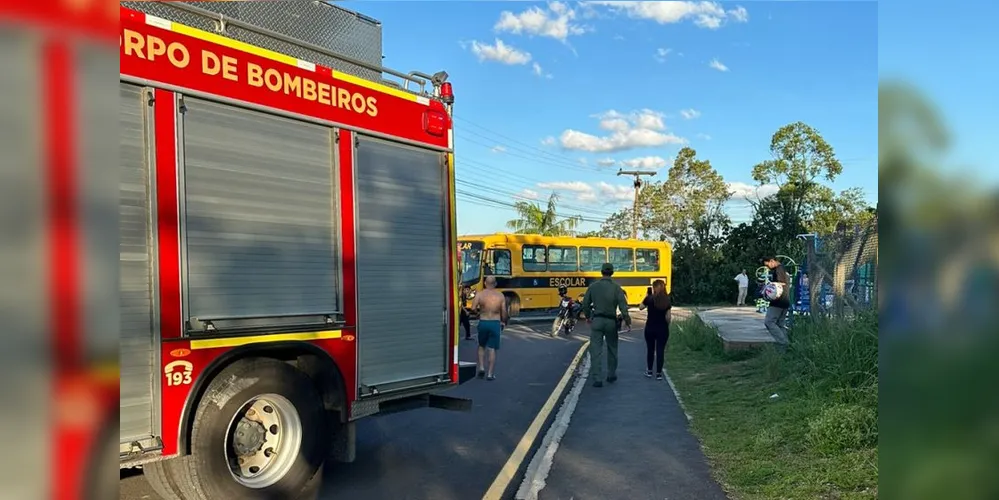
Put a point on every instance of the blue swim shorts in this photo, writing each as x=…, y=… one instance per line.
x=489, y=333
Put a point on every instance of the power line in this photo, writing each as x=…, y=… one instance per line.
x=521, y=197
x=498, y=134
x=536, y=159
x=487, y=201
x=534, y=153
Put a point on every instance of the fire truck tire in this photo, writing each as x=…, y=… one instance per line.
x=169, y=479
x=260, y=433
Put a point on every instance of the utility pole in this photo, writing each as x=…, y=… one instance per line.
x=638, y=184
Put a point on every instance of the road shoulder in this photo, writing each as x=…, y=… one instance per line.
x=629, y=440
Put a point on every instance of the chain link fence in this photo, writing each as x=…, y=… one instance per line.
x=842, y=270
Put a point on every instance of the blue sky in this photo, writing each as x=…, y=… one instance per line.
x=950, y=57
x=559, y=96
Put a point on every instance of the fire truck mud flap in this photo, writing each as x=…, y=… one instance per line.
x=466, y=371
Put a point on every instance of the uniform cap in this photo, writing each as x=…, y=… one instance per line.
x=607, y=268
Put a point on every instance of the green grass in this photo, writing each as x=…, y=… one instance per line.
x=818, y=438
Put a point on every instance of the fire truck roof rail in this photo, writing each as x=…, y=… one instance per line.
x=413, y=77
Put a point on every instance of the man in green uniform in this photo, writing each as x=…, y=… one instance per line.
x=603, y=298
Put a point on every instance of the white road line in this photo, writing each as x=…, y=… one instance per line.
x=677, y=394
x=506, y=474
x=541, y=464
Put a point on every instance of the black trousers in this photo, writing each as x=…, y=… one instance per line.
x=655, y=347
x=465, y=323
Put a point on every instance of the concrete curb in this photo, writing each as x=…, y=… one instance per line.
x=513, y=464
x=541, y=464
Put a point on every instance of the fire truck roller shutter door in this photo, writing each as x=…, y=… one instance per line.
x=136, y=285
x=260, y=224
x=402, y=278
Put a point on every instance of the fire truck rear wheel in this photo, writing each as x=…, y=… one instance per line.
x=260, y=432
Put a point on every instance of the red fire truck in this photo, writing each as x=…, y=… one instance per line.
x=287, y=239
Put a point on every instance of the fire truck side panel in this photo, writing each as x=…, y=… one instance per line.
x=401, y=266
x=139, y=330
x=188, y=364
x=259, y=217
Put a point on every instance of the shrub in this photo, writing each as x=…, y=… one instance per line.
x=693, y=335
x=838, y=355
x=841, y=427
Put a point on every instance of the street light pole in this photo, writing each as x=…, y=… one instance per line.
x=638, y=184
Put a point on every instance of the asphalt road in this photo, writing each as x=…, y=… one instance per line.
x=440, y=455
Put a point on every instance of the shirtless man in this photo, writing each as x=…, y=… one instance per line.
x=491, y=306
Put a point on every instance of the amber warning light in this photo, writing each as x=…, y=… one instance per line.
x=447, y=93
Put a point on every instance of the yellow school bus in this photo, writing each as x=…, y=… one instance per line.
x=529, y=268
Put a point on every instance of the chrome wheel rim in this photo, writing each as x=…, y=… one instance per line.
x=263, y=441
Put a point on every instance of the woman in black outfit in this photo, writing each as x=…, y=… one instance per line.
x=659, y=305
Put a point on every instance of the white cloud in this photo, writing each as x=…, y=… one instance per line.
x=704, y=137
x=529, y=194
x=572, y=186
x=742, y=191
x=645, y=163
x=599, y=193
x=690, y=114
x=606, y=162
x=548, y=141
x=661, y=54
x=555, y=22
x=704, y=14
x=498, y=149
x=716, y=64
x=739, y=14
x=619, y=38
x=539, y=71
x=638, y=129
x=500, y=52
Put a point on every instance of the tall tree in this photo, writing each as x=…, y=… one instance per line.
x=800, y=157
x=830, y=210
x=688, y=207
x=618, y=225
x=532, y=219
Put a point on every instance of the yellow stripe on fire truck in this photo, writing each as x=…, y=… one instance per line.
x=276, y=56
x=257, y=339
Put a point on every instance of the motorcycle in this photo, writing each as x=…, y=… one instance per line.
x=566, y=317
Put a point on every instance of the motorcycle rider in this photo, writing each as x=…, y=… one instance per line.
x=574, y=306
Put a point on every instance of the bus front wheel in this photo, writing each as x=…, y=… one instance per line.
x=512, y=304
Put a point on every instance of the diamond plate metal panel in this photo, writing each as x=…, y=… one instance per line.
x=329, y=26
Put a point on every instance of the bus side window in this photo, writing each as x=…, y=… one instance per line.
x=533, y=258
x=592, y=258
x=623, y=259
x=648, y=259
x=562, y=259
x=498, y=262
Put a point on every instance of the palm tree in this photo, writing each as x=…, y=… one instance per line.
x=532, y=219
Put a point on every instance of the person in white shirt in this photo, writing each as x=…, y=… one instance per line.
x=743, y=280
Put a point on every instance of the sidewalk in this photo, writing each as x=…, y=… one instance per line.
x=739, y=327
x=629, y=440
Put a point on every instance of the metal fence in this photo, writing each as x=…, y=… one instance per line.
x=842, y=270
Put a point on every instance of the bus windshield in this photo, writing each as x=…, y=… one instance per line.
x=470, y=263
